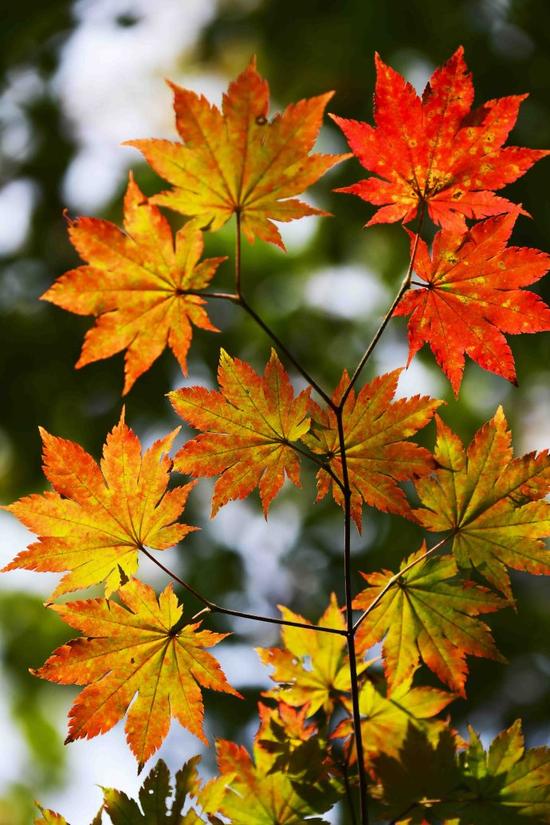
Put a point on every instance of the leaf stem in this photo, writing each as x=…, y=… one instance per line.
x=224, y=296
x=262, y=324
x=394, y=579
x=402, y=289
x=349, y=797
x=226, y=611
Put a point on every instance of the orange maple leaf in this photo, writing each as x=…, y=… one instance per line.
x=249, y=429
x=491, y=502
x=236, y=161
x=472, y=295
x=435, y=150
x=142, y=648
x=98, y=517
x=377, y=455
x=137, y=282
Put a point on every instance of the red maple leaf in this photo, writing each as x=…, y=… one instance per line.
x=435, y=150
x=472, y=295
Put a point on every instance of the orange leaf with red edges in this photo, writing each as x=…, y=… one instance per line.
x=472, y=296
x=236, y=161
x=137, y=653
x=490, y=502
x=99, y=516
x=377, y=455
x=435, y=149
x=426, y=614
x=248, y=429
x=136, y=281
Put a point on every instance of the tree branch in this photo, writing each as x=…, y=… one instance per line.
x=378, y=334
x=226, y=611
x=319, y=462
x=358, y=735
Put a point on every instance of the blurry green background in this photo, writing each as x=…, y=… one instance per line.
x=77, y=79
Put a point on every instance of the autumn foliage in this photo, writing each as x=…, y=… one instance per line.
x=351, y=717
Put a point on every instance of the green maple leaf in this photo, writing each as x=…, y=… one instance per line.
x=427, y=614
x=490, y=501
x=430, y=784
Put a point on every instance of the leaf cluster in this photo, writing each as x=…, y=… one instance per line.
x=334, y=721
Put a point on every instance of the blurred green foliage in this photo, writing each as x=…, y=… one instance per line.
x=303, y=48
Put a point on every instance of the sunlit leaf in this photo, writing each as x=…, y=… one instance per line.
x=99, y=516
x=472, y=296
x=137, y=654
x=490, y=501
x=237, y=161
x=248, y=428
x=435, y=149
x=137, y=282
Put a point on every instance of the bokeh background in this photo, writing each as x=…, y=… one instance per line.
x=78, y=78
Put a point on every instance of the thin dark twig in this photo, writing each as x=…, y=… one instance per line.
x=349, y=797
x=378, y=334
x=319, y=462
x=226, y=611
x=407, y=810
x=268, y=331
x=358, y=735
x=394, y=579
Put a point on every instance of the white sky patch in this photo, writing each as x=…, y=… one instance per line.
x=534, y=426
x=17, y=200
x=296, y=235
x=261, y=544
x=346, y=291
x=111, y=85
x=14, y=538
x=392, y=353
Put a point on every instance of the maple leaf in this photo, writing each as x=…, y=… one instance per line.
x=235, y=161
x=136, y=281
x=385, y=720
x=295, y=743
x=250, y=426
x=490, y=501
x=49, y=817
x=433, y=784
x=156, y=805
x=140, y=648
x=427, y=614
x=472, y=295
x=410, y=783
x=98, y=517
x=377, y=455
x=261, y=794
x=313, y=667
x=435, y=150
x=155, y=794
